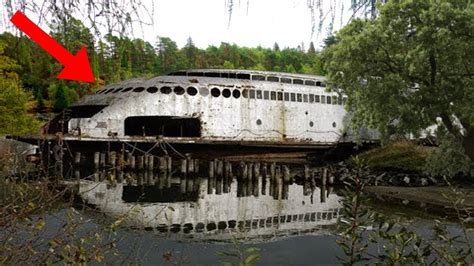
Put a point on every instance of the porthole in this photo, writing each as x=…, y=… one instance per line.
x=178, y=90
x=165, y=90
x=117, y=90
x=259, y=122
x=215, y=92
x=192, y=91
x=236, y=94
x=127, y=89
x=333, y=124
x=138, y=89
x=245, y=93
x=226, y=93
x=204, y=92
x=311, y=124
x=152, y=89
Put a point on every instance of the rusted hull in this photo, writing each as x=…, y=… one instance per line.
x=179, y=146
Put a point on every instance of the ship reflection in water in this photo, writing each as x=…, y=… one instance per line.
x=234, y=200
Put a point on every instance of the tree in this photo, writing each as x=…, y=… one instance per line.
x=14, y=101
x=311, y=49
x=60, y=98
x=410, y=68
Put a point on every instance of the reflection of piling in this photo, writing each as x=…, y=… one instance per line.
x=102, y=160
x=306, y=172
x=286, y=173
x=112, y=159
x=96, y=160
x=272, y=170
x=323, y=194
x=324, y=177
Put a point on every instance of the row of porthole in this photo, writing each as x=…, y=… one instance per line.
x=227, y=93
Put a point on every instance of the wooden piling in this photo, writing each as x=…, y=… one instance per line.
x=151, y=162
x=140, y=162
x=324, y=177
x=132, y=162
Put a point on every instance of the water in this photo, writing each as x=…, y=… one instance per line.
x=189, y=215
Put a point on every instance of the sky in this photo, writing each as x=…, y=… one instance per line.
x=253, y=22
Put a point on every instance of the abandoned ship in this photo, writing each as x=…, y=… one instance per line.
x=232, y=110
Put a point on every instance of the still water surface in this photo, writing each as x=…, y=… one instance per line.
x=194, y=215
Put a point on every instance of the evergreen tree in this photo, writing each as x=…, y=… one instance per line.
x=311, y=49
x=61, y=100
x=276, y=48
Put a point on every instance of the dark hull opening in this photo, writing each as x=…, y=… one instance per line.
x=168, y=126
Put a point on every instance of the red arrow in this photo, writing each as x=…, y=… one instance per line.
x=75, y=67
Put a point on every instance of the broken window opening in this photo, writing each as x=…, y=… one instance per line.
x=243, y=76
x=273, y=79
x=152, y=89
x=280, y=96
x=259, y=94
x=334, y=100
x=258, y=77
x=287, y=96
x=339, y=100
x=285, y=80
x=298, y=81
x=293, y=97
x=328, y=99
x=138, y=89
x=245, y=93
x=178, y=90
x=84, y=111
x=266, y=95
x=213, y=74
x=273, y=95
x=236, y=94
x=311, y=98
x=323, y=99
x=252, y=94
x=232, y=75
x=299, y=97
x=318, y=83
x=168, y=126
x=309, y=82
x=316, y=98
x=195, y=74
x=178, y=73
x=305, y=98
x=215, y=92
x=127, y=89
x=165, y=90
x=226, y=93
x=192, y=91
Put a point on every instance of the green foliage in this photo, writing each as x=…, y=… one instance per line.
x=449, y=158
x=14, y=101
x=408, y=67
x=238, y=255
x=399, y=156
x=392, y=241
